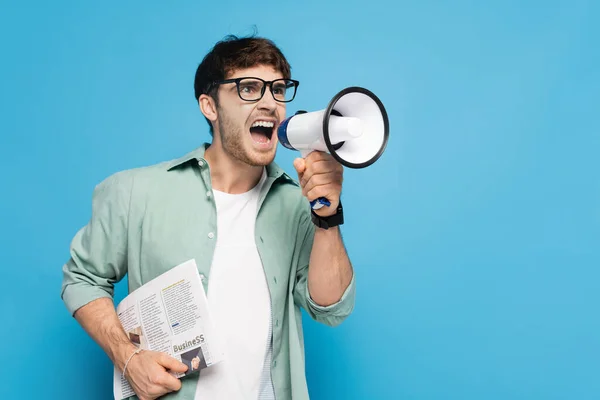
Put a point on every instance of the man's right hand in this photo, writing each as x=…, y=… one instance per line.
x=148, y=374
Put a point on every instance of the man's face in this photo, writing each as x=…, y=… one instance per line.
x=248, y=130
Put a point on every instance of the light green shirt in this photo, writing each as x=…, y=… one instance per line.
x=149, y=219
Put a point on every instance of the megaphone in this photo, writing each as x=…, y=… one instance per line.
x=354, y=129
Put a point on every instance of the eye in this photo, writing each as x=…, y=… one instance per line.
x=279, y=89
x=249, y=87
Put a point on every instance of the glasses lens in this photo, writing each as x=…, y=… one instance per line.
x=250, y=89
x=284, y=90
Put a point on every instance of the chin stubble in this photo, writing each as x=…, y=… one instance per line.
x=233, y=143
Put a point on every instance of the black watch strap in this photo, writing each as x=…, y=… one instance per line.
x=331, y=221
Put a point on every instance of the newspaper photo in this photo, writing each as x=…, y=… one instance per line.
x=170, y=314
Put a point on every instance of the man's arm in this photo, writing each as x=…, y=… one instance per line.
x=98, y=260
x=330, y=271
x=325, y=284
x=99, y=319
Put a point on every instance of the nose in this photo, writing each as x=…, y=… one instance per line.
x=267, y=102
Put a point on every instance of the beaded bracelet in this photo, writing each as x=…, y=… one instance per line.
x=129, y=359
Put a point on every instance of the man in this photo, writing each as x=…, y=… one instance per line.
x=260, y=250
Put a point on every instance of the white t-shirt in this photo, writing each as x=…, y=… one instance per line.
x=240, y=304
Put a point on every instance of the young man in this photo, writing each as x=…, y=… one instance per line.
x=260, y=250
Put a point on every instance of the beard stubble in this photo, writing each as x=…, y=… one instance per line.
x=233, y=143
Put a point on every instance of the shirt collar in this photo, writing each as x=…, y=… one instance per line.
x=196, y=154
x=273, y=170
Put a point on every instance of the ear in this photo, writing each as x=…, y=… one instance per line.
x=208, y=107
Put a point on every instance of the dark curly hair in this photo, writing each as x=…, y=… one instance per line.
x=233, y=53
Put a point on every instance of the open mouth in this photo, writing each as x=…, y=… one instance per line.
x=262, y=131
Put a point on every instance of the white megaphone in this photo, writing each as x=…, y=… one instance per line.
x=354, y=129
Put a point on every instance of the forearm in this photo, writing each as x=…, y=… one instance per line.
x=330, y=270
x=100, y=321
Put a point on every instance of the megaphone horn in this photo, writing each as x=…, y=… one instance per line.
x=354, y=129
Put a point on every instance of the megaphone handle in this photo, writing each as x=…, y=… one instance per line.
x=321, y=201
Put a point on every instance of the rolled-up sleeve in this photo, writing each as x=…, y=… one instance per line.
x=98, y=252
x=331, y=315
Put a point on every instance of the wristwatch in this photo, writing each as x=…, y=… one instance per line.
x=331, y=221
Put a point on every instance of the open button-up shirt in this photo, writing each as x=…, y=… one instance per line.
x=146, y=220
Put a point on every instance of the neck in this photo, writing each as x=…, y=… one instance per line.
x=228, y=174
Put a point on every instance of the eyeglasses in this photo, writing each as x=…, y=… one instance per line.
x=253, y=89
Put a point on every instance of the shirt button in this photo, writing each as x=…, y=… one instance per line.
x=201, y=163
x=274, y=363
x=208, y=194
x=202, y=277
x=211, y=235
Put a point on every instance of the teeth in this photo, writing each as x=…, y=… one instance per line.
x=263, y=124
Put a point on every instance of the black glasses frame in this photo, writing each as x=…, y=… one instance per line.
x=262, y=92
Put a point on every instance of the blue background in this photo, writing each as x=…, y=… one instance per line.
x=475, y=238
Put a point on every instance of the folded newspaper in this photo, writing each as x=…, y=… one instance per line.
x=170, y=314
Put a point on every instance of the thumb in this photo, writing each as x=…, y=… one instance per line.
x=172, y=364
x=300, y=165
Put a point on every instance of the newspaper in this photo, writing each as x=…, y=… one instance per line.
x=170, y=314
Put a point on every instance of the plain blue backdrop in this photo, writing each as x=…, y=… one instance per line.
x=475, y=238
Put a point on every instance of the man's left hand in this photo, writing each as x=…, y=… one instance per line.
x=320, y=175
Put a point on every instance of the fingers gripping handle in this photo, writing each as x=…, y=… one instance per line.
x=321, y=201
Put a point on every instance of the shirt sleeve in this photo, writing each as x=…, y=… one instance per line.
x=98, y=252
x=333, y=314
